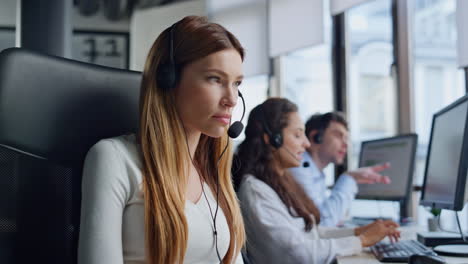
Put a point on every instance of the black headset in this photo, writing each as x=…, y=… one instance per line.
x=318, y=137
x=275, y=139
x=167, y=75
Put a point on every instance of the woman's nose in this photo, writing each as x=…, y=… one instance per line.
x=230, y=98
x=306, y=142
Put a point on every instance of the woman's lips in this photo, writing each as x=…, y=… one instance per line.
x=225, y=119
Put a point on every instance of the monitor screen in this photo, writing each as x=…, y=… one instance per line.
x=399, y=152
x=445, y=157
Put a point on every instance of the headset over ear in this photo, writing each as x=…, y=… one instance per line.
x=318, y=137
x=167, y=74
x=275, y=139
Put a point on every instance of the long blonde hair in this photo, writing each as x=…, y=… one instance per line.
x=162, y=140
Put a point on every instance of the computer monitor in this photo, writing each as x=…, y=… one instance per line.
x=399, y=151
x=447, y=158
x=445, y=174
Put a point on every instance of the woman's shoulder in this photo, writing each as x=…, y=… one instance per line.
x=114, y=161
x=120, y=152
x=124, y=142
x=249, y=180
x=252, y=186
x=124, y=147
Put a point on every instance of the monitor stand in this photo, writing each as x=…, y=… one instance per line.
x=460, y=250
x=405, y=218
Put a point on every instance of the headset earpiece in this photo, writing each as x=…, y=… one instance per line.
x=167, y=77
x=318, y=137
x=168, y=74
x=275, y=139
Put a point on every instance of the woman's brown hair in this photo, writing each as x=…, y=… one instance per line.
x=255, y=157
x=163, y=144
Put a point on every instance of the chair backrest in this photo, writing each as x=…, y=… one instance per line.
x=52, y=110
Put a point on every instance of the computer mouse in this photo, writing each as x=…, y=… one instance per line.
x=426, y=259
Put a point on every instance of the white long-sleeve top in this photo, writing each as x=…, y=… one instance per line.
x=274, y=236
x=334, y=207
x=112, y=211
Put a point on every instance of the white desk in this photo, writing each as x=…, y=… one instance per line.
x=406, y=233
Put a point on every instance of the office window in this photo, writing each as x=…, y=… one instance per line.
x=306, y=76
x=307, y=79
x=437, y=81
x=371, y=91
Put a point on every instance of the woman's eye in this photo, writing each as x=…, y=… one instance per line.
x=238, y=83
x=214, y=79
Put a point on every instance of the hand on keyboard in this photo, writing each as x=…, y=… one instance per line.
x=373, y=233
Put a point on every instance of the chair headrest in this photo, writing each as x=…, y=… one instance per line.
x=56, y=109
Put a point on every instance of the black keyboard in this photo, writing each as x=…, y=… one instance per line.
x=400, y=251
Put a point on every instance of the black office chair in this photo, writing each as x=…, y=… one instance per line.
x=52, y=110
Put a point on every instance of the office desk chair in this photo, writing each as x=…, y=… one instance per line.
x=52, y=110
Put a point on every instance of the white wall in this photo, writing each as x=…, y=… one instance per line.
x=339, y=6
x=251, y=30
x=147, y=24
x=225, y=5
x=294, y=24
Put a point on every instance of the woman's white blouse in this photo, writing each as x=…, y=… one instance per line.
x=274, y=236
x=112, y=211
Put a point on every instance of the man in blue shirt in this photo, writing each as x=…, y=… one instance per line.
x=328, y=136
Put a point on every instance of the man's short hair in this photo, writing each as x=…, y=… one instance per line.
x=321, y=122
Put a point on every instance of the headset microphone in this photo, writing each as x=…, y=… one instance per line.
x=290, y=153
x=234, y=131
x=236, y=128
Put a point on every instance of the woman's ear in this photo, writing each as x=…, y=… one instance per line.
x=266, y=138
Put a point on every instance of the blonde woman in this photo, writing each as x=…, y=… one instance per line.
x=152, y=197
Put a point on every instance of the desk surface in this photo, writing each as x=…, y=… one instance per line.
x=406, y=233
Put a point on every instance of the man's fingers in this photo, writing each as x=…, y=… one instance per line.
x=386, y=180
x=379, y=178
x=381, y=167
x=366, y=181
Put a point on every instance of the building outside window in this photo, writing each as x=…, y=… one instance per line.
x=437, y=81
x=371, y=88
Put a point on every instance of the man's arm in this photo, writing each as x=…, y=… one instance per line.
x=335, y=206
